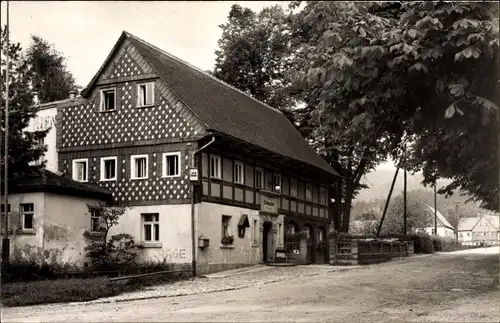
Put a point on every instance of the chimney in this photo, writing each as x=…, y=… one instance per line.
x=72, y=94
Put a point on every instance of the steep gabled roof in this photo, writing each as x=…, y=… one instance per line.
x=46, y=181
x=442, y=222
x=467, y=224
x=224, y=109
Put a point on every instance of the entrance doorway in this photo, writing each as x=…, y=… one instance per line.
x=267, y=242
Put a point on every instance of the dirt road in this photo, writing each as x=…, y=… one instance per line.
x=452, y=287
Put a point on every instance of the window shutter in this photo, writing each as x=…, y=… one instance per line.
x=150, y=93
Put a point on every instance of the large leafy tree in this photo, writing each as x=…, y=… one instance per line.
x=351, y=130
x=51, y=80
x=381, y=75
x=254, y=55
x=23, y=146
x=451, y=52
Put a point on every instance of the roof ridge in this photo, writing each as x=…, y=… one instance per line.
x=202, y=72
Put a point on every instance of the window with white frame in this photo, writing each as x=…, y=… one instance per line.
x=239, y=175
x=171, y=164
x=80, y=170
x=293, y=187
x=27, y=216
x=139, y=167
x=259, y=178
x=95, y=221
x=276, y=182
x=108, y=168
x=145, y=94
x=151, y=227
x=108, y=99
x=308, y=191
x=215, y=166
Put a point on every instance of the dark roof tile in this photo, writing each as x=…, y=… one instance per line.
x=227, y=110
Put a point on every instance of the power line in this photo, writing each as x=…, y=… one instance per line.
x=185, y=41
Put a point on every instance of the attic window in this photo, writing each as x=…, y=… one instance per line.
x=108, y=99
x=145, y=94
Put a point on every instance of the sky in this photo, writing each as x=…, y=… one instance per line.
x=85, y=31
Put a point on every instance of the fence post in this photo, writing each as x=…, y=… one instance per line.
x=354, y=251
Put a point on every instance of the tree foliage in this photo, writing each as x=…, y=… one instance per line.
x=23, y=146
x=383, y=74
x=253, y=55
x=120, y=250
x=51, y=81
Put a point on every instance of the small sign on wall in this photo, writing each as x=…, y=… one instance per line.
x=269, y=204
x=193, y=174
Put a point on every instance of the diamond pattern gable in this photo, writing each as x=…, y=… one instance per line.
x=84, y=125
x=125, y=66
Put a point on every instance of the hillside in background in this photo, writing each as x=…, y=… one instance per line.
x=379, y=183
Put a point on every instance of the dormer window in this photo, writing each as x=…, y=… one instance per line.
x=145, y=94
x=108, y=99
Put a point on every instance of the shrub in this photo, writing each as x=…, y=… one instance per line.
x=445, y=244
x=27, y=270
x=118, y=253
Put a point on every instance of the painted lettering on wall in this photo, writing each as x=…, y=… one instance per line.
x=268, y=202
x=175, y=253
x=43, y=123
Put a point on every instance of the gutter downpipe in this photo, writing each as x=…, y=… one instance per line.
x=193, y=228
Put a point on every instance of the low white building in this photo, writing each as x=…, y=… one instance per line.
x=444, y=228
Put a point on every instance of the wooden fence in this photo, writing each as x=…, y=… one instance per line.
x=367, y=251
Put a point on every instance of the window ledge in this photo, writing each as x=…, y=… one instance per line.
x=263, y=191
x=145, y=106
x=227, y=247
x=171, y=176
x=93, y=234
x=107, y=111
x=108, y=180
x=138, y=178
x=25, y=232
x=150, y=244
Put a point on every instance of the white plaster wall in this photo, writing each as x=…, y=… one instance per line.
x=441, y=232
x=175, y=232
x=46, y=119
x=244, y=251
x=67, y=218
x=29, y=244
x=466, y=236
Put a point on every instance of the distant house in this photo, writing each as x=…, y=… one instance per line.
x=483, y=228
x=444, y=228
x=48, y=218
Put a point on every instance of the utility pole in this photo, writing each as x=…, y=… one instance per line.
x=387, y=201
x=457, y=218
x=405, y=215
x=6, y=241
x=435, y=211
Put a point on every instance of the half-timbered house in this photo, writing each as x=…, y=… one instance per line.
x=148, y=120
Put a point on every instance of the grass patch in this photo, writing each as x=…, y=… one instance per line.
x=76, y=289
